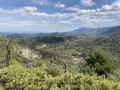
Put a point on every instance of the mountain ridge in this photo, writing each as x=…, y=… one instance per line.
x=79, y=31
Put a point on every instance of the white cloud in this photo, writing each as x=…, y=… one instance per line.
x=33, y=11
x=87, y=3
x=73, y=9
x=42, y=2
x=59, y=5
x=1, y=10
x=114, y=7
x=60, y=15
x=96, y=15
x=15, y=24
x=106, y=8
x=65, y=22
x=28, y=10
x=88, y=19
x=44, y=22
x=90, y=15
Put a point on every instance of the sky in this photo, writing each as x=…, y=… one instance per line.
x=57, y=15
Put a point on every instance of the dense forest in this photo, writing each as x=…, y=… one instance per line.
x=60, y=62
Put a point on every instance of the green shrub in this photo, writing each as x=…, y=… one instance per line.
x=53, y=71
x=82, y=82
x=39, y=63
x=1, y=88
x=18, y=77
x=101, y=61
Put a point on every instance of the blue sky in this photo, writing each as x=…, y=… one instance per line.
x=57, y=15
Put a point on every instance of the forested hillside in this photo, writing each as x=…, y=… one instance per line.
x=60, y=62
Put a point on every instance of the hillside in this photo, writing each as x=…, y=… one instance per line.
x=22, y=35
x=57, y=57
x=112, y=30
x=94, y=31
x=74, y=45
x=89, y=31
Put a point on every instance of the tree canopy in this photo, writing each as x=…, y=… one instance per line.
x=101, y=61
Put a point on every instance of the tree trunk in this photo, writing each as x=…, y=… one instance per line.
x=65, y=66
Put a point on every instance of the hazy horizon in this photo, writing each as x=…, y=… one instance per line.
x=35, y=32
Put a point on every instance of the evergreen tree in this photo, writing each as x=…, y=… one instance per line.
x=101, y=61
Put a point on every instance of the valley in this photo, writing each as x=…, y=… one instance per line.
x=59, y=54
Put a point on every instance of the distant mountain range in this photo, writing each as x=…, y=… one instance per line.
x=89, y=31
x=7, y=34
x=79, y=31
x=95, y=31
x=112, y=30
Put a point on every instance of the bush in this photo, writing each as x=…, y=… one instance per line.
x=22, y=78
x=53, y=72
x=1, y=88
x=18, y=77
x=39, y=63
x=82, y=82
x=101, y=61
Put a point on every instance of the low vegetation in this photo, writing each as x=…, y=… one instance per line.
x=60, y=62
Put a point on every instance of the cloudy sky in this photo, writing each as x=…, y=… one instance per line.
x=57, y=15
